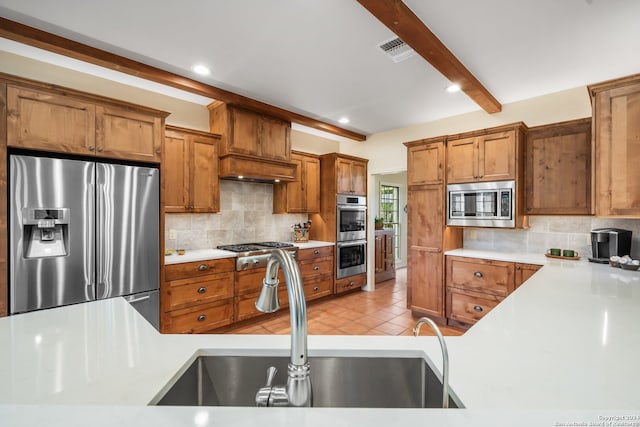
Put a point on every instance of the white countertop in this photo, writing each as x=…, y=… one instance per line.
x=527, y=258
x=312, y=244
x=198, y=255
x=562, y=348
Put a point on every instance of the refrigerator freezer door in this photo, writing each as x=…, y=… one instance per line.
x=51, y=237
x=148, y=305
x=127, y=229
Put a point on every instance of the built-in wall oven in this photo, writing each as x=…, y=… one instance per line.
x=351, y=235
x=351, y=218
x=352, y=258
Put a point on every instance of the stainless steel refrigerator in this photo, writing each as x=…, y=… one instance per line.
x=83, y=230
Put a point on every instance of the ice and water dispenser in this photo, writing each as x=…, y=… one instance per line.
x=46, y=232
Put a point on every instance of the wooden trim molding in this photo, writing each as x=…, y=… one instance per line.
x=43, y=40
x=405, y=24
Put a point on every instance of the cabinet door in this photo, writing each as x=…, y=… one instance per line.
x=175, y=169
x=462, y=160
x=295, y=190
x=343, y=176
x=559, y=156
x=124, y=134
x=50, y=122
x=617, y=128
x=275, y=141
x=205, y=193
x=524, y=272
x=424, y=268
x=497, y=156
x=359, y=178
x=389, y=255
x=425, y=276
x=379, y=253
x=244, y=128
x=312, y=184
x=425, y=164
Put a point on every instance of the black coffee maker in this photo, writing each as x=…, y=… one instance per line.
x=607, y=242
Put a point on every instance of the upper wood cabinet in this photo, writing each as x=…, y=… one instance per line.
x=616, y=124
x=66, y=121
x=303, y=194
x=248, y=133
x=486, y=156
x=426, y=162
x=558, y=169
x=190, y=171
x=351, y=175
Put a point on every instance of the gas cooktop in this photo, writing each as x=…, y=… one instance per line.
x=255, y=247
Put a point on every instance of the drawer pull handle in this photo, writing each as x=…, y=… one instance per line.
x=316, y=268
x=202, y=290
x=477, y=308
x=477, y=274
x=202, y=318
x=316, y=288
x=317, y=252
x=203, y=267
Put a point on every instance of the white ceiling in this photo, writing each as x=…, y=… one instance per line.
x=319, y=57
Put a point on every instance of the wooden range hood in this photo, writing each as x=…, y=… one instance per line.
x=254, y=146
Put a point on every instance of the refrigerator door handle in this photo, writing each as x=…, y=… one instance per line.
x=135, y=300
x=89, y=235
x=102, y=285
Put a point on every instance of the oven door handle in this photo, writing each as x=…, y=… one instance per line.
x=352, y=208
x=351, y=243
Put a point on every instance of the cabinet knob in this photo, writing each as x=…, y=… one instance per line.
x=202, y=290
x=92, y=148
x=477, y=274
x=99, y=149
x=316, y=288
x=477, y=308
x=202, y=318
x=316, y=268
x=317, y=252
x=203, y=267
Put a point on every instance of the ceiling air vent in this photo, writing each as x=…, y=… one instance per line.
x=396, y=49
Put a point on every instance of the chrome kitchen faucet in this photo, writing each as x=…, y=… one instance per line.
x=297, y=392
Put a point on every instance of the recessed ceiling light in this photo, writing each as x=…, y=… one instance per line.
x=453, y=88
x=203, y=70
x=344, y=120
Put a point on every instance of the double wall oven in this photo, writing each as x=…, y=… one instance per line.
x=351, y=238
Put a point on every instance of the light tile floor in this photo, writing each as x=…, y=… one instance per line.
x=382, y=312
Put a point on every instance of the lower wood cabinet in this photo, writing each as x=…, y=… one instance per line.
x=248, y=285
x=475, y=286
x=385, y=266
x=197, y=296
x=316, y=269
x=350, y=283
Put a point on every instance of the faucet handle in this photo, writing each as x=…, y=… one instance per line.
x=271, y=374
x=262, y=396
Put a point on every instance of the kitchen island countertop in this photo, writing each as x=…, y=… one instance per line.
x=561, y=348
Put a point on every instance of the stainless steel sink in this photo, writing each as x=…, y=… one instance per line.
x=355, y=382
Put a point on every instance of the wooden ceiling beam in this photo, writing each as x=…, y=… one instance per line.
x=43, y=40
x=405, y=24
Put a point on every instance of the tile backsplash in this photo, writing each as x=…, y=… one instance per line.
x=245, y=216
x=544, y=232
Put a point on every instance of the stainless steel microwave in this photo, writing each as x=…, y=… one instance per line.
x=481, y=204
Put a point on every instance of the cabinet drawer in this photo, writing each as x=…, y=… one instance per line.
x=198, y=268
x=201, y=318
x=487, y=276
x=312, y=253
x=350, y=283
x=318, y=287
x=469, y=307
x=245, y=305
x=315, y=267
x=250, y=281
x=202, y=290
